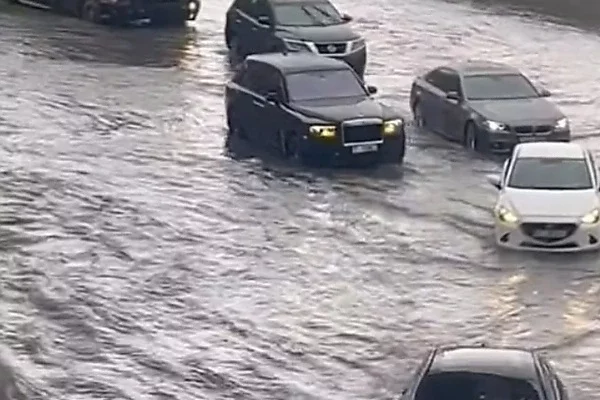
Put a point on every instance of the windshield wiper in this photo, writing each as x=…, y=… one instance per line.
x=312, y=16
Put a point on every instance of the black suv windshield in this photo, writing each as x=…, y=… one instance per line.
x=475, y=386
x=328, y=84
x=550, y=174
x=307, y=14
x=498, y=87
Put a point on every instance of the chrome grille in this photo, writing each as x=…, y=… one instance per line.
x=362, y=131
x=331, y=48
x=561, y=231
x=531, y=129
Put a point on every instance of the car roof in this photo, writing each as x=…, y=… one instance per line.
x=550, y=150
x=482, y=67
x=291, y=62
x=507, y=362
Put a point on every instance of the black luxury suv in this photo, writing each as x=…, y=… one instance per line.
x=314, y=26
x=123, y=12
x=484, y=373
x=312, y=108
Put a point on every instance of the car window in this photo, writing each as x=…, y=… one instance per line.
x=262, y=9
x=272, y=83
x=307, y=14
x=478, y=386
x=253, y=78
x=326, y=84
x=247, y=7
x=444, y=79
x=498, y=87
x=550, y=174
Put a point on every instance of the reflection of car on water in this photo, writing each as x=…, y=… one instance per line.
x=313, y=26
x=121, y=12
x=487, y=106
x=548, y=199
x=484, y=373
x=313, y=108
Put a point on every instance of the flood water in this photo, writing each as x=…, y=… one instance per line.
x=141, y=260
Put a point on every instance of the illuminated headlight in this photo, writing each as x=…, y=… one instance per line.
x=593, y=217
x=358, y=44
x=297, y=45
x=325, y=131
x=392, y=126
x=562, y=123
x=505, y=215
x=192, y=6
x=494, y=126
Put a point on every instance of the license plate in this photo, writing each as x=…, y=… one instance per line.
x=550, y=233
x=525, y=139
x=364, y=148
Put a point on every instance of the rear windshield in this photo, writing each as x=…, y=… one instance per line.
x=550, y=174
x=328, y=84
x=475, y=386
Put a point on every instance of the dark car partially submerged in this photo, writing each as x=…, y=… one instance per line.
x=312, y=108
x=487, y=106
x=484, y=373
x=123, y=12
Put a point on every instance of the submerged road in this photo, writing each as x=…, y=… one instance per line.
x=141, y=260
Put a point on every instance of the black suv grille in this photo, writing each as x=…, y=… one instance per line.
x=529, y=129
x=362, y=133
x=331, y=48
x=548, y=232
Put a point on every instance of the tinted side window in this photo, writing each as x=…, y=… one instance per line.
x=273, y=82
x=262, y=9
x=247, y=7
x=434, y=77
x=251, y=78
x=449, y=81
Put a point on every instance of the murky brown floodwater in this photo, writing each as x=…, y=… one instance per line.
x=140, y=261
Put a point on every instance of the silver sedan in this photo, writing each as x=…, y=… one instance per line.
x=548, y=199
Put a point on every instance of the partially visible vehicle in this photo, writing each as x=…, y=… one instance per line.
x=486, y=106
x=311, y=108
x=484, y=373
x=312, y=26
x=123, y=12
x=549, y=199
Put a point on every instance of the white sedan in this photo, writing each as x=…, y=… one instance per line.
x=548, y=199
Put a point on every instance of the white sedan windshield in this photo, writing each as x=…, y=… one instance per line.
x=550, y=174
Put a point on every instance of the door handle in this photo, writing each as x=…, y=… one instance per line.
x=258, y=103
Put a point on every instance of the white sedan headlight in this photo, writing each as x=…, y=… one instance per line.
x=562, y=123
x=593, y=217
x=504, y=214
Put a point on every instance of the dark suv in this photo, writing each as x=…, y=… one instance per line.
x=480, y=373
x=314, y=26
x=311, y=107
x=122, y=12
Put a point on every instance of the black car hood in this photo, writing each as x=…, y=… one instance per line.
x=338, y=110
x=516, y=111
x=320, y=34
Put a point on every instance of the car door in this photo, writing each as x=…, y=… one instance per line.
x=253, y=102
x=431, y=99
x=453, y=110
x=244, y=25
x=274, y=114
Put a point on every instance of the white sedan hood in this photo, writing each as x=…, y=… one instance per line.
x=550, y=203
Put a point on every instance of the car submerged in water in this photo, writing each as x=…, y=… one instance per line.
x=548, y=199
x=123, y=12
x=312, y=108
x=486, y=106
x=484, y=373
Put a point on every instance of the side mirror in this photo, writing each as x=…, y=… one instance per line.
x=371, y=89
x=264, y=20
x=495, y=181
x=454, y=96
x=346, y=18
x=272, y=97
x=544, y=92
